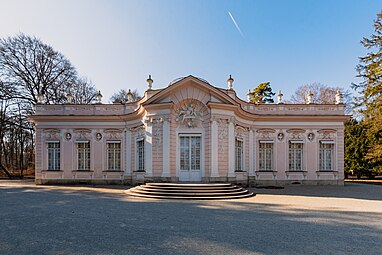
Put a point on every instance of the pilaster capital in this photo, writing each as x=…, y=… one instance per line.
x=166, y=118
x=148, y=121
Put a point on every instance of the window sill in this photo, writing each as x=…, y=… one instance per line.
x=83, y=171
x=332, y=171
x=304, y=173
x=139, y=171
x=266, y=173
x=240, y=171
x=49, y=171
x=113, y=171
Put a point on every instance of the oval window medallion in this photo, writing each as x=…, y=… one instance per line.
x=68, y=136
x=98, y=136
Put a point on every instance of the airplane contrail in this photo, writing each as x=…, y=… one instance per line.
x=236, y=25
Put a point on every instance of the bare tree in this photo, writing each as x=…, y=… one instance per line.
x=83, y=91
x=28, y=69
x=121, y=96
x=4, y=121
x=32, y=68
x=322, y=94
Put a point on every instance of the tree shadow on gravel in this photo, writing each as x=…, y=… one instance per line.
x=349, y=190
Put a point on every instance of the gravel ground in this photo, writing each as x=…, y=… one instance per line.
x=103, y=220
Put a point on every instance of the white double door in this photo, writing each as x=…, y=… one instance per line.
x=190, y=149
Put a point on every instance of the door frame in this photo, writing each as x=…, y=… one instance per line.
x=188, y=131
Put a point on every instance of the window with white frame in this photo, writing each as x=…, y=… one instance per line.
x=190, y=150
x=83, y=156
x=140, y=165
x=114, y=155
x=326, y=155
x=266, y=156
x=295, y=155
x=239, y=154
x=184, y=143
x=53, y=148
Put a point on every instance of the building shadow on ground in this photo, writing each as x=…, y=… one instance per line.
x=349, y=190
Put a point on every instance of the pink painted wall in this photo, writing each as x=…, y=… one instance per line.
x=49, y=117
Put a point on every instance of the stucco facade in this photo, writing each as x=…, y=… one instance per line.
x=190, y=131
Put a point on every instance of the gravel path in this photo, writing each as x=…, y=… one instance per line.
x=103, y=220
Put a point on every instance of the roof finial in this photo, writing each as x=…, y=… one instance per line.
x=40, y=97
x=129, y=96
x=280, y=97
x=149, y=82
x=309, y=97
x=249, y=95
x=230, y=81
x=339, y=99
x=69, y=98
x=99, y=97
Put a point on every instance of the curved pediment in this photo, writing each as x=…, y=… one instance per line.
x=191, y=87
x=82, y=130
x=51, y=130
x=266, y=130
x=113, y=130
x=326, y=130
x=296, y=130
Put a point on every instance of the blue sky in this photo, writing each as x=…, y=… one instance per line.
x=118, y=43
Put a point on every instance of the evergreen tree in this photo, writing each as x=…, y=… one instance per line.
x=356, y=149
x=262, y=94
x=370, y=90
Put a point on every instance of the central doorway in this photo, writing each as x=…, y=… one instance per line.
x=190, y=147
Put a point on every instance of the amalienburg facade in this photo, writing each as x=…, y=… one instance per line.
x=190, y=131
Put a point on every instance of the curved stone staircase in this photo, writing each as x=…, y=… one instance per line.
x=189, y=191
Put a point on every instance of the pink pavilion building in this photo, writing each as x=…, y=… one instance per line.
x=190, y=131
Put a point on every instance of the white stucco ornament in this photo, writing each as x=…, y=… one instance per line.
x=310, y=137
x=68, y=136
x=98, y=136
x=139, y=132
x=188, y=115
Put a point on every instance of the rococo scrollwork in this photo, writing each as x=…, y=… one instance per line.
x=190, y=113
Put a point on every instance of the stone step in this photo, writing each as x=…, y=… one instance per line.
x=189, y=191
x=233, y=189
x=191, y=198
x=173, y=184
x=190, y=185
x=164, y=193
